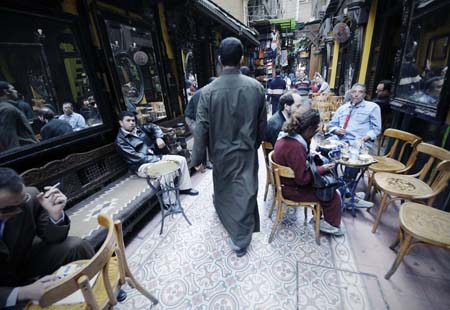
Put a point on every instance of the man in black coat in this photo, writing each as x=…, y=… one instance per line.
x=33, y=239
x=53, y=127
x=290, y=102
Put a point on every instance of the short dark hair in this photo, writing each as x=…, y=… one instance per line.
x=124, y=114
x=10, y=181
x=4, y=86
x=70, y=103
x=46, y=113
x=360, y=85
x=302, y=120
x=245, y=70
x=230, y=51
x=211, y=79
x=277, y=71
x=287, y=98
x=429, y=84
x=387, y=84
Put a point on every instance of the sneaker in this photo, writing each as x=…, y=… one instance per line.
x=325, y=227
x=363, y=204
x=340, y=231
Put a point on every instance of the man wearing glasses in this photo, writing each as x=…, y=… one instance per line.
x=33, y=239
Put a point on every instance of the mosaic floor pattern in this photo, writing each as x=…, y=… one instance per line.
x=192, y=267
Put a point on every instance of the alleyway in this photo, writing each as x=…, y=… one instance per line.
x=192, y=267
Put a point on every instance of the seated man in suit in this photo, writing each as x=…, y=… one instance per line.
x=33, y=239
x=290, y=102
x=139, y=148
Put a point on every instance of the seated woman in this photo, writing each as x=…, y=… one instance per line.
x=291, y=150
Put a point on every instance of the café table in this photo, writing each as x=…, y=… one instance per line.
x=349, y=183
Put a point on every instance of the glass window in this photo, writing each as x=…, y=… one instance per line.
x=137, y=70
x=426, y=56
x=44, y=89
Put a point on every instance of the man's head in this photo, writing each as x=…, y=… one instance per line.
x=127, y=121
x=211, y=79
x=277, y=72
x=7, y=91
x=12, y=194
x=45, y=115
x=434, y=86
x=67, y=108
x=384, y=89
x=300, y=74
x=358, y=92
x=304, y=122
x=290, y=101
x=230, y=52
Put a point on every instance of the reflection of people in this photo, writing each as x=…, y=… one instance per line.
x=433, y=88
x=409, y=77
x=33, y=239
x=245, y=70
x=291, y=150
x=276, y=88
x=25, y=107
x=289, y=103
x=128, y=92
x=74, y=119
x=89, y=111
x=53, y=127
x=323, y=86
x=138, y=148
x=15, y=130
x=231, y=121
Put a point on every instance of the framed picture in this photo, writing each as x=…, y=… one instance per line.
x=440, y=47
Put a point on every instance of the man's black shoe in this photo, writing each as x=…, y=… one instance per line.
x=241, y=252
x=191, y=192
x=209, y=166
x=121, y=296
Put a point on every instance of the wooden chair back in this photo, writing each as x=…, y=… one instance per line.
x=436, y=155
x=280, y=172
x=267, y=147
x=406, y=141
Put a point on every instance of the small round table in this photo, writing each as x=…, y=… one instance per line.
x=350, y=182
x=162, y=177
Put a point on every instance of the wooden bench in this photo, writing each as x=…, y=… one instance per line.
x=96, y=182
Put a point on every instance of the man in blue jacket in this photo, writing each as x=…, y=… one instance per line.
x=276, y=88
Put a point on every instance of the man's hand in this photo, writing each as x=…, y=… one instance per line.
x=53, y=201
x=200, y=168
x=160, y=143
x=339, y=131
x=34, y=291
x=366, y=138
x=329, y=166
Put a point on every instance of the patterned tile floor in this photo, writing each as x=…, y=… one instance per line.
x=192, y=267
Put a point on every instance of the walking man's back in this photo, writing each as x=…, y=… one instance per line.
x=231, y=120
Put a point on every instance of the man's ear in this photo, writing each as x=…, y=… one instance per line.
x=220, y=60
x=242, y=59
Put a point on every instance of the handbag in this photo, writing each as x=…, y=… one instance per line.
x=324, y=185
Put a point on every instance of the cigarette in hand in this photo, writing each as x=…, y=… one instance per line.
x=51, y=188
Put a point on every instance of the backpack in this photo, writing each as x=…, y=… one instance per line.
x=324, y=185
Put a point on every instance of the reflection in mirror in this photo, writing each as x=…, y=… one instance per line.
x=191, y=76
x=426, y=57
x=44, y=87
x=137, y=71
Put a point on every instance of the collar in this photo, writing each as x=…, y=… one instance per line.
x=234, y=70
x=296, y=136
x=131, y=133
x=284, y=115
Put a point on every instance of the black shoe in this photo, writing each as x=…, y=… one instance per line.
x=241, y=252
x=191, y=192
x=209, y=166
x=121, y=296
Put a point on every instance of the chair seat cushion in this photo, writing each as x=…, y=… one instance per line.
x=426, y=223
x=119, y=199
x=386, y=164
x=401, y=185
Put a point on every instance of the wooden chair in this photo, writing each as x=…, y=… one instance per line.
x=413, y=187
x=392, y=162
x=429, y=226
x=286, y=172
x=113, y=272
x=267, y=147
